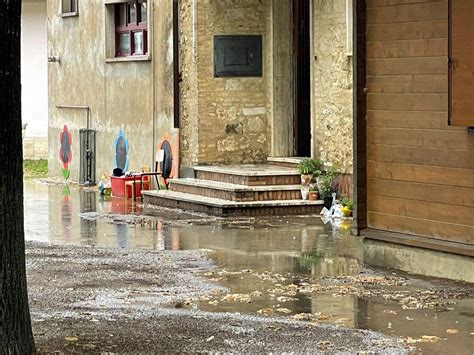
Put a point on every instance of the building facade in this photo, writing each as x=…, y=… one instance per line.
x=298, y=103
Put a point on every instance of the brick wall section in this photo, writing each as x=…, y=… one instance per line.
x=235, y=212
x=250, y=180
x=238, y=195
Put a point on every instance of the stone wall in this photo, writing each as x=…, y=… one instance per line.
x=230, y=114
x=189, y=128
x=332, y=84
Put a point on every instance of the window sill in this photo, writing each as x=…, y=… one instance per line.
x=70, y=14
x=132, y=58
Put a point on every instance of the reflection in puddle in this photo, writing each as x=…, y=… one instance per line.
x=293, y=267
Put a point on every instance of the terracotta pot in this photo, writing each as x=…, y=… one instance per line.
x=313, y=195
x=306, y=179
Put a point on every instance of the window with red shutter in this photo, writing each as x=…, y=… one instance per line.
x=131, y=28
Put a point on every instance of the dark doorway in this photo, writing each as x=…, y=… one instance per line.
x=301, y=79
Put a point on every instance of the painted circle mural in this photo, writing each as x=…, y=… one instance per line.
x=121, y=152
x=167, y=164
x=65, y=150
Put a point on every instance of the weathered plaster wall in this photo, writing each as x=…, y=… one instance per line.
x=332, y=84
x=119, y=93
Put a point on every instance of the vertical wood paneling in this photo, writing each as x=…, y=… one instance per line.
x=462, y=63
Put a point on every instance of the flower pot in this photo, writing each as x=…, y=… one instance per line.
x=304, y=193
x=313, y=195
x=306, y=179
x=328, y=202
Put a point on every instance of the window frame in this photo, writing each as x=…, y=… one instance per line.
x=140, y=25
x=73, y=5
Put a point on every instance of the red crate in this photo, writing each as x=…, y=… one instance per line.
x=118, y=186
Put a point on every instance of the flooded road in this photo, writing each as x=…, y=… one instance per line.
x=295, y=267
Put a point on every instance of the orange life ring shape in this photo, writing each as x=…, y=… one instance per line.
x=169, y=164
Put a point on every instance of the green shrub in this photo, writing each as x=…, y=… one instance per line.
x=310, y=166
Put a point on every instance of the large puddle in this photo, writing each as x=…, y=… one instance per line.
x=293, y=267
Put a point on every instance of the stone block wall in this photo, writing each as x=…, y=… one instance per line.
x=332, y=84
x=227, y=117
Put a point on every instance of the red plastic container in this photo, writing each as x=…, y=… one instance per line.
x=118, y=186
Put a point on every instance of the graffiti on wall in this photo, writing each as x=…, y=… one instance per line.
x=65, y=151
x=121, y=151
x=168, y=156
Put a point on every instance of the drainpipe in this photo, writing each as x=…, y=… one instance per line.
x=153, y=88
x=176, y=75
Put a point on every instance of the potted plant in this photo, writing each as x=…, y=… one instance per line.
x=347, y=206
x=326, y=186
x=313, y=193
x=309, y=167
x=304, y=192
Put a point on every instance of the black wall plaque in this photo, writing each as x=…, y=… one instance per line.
x=237, y=56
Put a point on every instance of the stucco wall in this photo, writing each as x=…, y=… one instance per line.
x=332, y=84
x=119, y=93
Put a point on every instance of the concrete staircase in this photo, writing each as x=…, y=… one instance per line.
x=239, y=190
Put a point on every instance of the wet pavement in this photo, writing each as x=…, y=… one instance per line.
x=296, y=267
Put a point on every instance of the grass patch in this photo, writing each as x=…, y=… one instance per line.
x=35, y=168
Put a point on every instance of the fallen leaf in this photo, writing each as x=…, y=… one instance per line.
x=284, y=310
x=265, y=311
x=430, y=338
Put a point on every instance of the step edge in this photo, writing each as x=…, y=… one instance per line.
x=215, y=202
x=225, y=186
x=212, y=169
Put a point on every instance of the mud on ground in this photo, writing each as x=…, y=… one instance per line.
x=86, y=299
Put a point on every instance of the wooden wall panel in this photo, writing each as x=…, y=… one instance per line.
x=462, y=63
x=420, y=171
x=425, y=174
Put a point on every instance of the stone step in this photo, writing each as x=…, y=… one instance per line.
x=235, y=192
x=249, y=174
x=220, y=207
x=288, y=162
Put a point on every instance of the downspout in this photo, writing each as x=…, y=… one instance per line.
x=153, y=87
x=176, y=74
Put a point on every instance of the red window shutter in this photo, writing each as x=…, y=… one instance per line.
x=461, y=83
